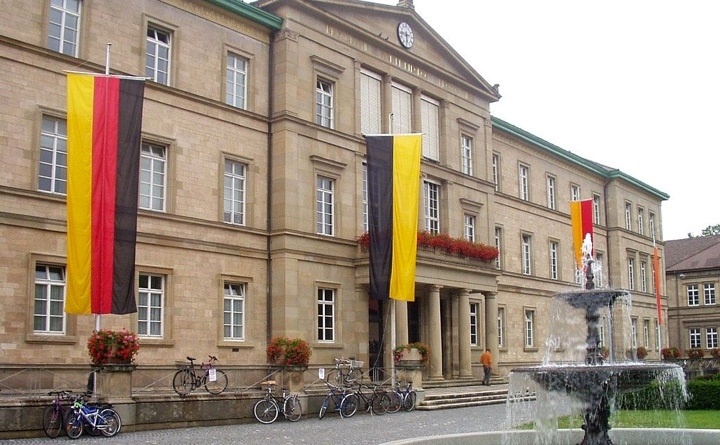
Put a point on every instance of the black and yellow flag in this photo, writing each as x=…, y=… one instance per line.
x=393, y=181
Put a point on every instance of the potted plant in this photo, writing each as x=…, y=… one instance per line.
x=422, y=349
x=696, y=353
x=670, y=353
x=641, y=352
x=108, y=346
x=286, y=352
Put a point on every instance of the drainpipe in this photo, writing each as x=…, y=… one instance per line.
x=268, y=228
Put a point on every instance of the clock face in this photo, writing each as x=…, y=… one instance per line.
x=405, y=35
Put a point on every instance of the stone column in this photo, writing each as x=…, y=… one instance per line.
x=113, y=384
x=464, y=334
x=491, y=329
x=435, y=343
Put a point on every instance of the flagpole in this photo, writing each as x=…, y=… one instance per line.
x=393, y=340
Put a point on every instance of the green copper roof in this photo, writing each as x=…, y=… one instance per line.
x=594, y=167
x=250, y=12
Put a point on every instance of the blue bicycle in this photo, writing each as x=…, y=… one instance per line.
x=94, y=419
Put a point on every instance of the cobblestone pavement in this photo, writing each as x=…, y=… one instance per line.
x=362, y=429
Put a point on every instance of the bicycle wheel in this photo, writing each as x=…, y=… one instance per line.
x=183, y=382
x=349, y=405
x=396, y=401
x=74, y=425
x=410, y=400
x=52, y=421
x=292, y=408
x=218, y=385
x=266, y=411
x=324, y=407
x=112, y=422
x=380, y=402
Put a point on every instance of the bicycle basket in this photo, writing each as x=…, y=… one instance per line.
x=357, y=364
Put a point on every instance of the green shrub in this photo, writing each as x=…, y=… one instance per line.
x=665, y=396
x=704, y=393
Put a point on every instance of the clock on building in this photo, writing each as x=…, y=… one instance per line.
x=405, y=35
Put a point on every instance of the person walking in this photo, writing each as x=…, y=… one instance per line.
x=486, y=360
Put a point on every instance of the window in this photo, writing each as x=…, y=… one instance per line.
x=52, y=169
x=693, y=295
x=498, y=245
x=646, y=333
x=153, y=165
x=324, y=103
x=325, y=205
x=430, y=115
x=234, y=311
x=634, y=331
x=551, y=193
x=695, y=340
x=711, y=338
x=554, y=260
x=49, y=312
x=151, y=296
x=501, y=327
x=596, y=209
x=598, y=271
x=657, y=334
x=651, y=224
x=643, y=276
x=631, y=273
x=64, y=26
x=601, y=330
x=496, y=171
x=326, y=315
x=527, y=255
x=157, y=56
x=370, y=102
x=234, y=192
x=524, y=177
x=641, y=220
x=431, y=198
x=236, y=81
x=709, y=292
x=470, y=228
x=466, y=154
x=474, y=310
x=401, y=118
x=628, y=216
x=574, y=192
x=529, y=328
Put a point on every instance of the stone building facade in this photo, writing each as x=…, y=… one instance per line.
x=253, y=187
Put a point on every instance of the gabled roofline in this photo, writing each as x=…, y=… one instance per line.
x=594, y=167
x=250, y=12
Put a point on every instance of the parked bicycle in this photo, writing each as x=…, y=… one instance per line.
x=377, y=400
x=337, y=396
x=402, y=398
x=268, y=409
x=53, y=420
x=346, y=372
x=188, y=379
x=94, y=419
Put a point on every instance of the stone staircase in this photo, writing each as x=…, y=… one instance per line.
x=462, y=393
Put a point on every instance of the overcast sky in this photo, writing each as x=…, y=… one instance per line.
x=632, y=84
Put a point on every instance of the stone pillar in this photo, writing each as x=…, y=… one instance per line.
x=435, y=341
x=464, y=352
x=491, y=328
x=113, y=384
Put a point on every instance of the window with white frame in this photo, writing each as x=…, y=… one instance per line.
x=236, y=80
x=466, y=154
x=554, y=252
x=431, y=206
x=157, y=55
x=599, y=278
x=64, y=26
x=49, y=304
x=326, y=315
x=52, y=168
x=628, y=216
x=474, y=313
x=631, y=273
x=234, y=311
x=709, y=293
x=325, y=206
x=695, y=338
x=601, y=330
x=646, y=333
x=150, y=305
x=596, y=209
x=551, y=202
x=693, y=295
x=370, y=102
x=498, y=245
x=496, y=171
x=643, y=276
x=430, y=118
x=641, y=220
x=526, y=254
x=651, y=224
x=153, y=167
x=234, y=198
x=529, y=328
x=634, y=332
x=470, y=228
x=324, y=103
x=524, y=182
x=711, y=338
x=366, y=202
x=501, y=327
x=401, y=118
x=656, y=334
x=574, y=192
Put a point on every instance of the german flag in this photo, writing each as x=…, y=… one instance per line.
x=104, y=118
x=393, y=181
x=581, y=215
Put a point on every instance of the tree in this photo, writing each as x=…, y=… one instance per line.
x=711, y=230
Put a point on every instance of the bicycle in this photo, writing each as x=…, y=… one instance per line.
x=53, y=420
x=187, y=379
x=337, y=396
x=402, y=398
x=340, y=377
x=268, y=408
x=378, y=402
x=91, y=418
